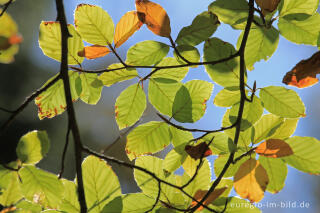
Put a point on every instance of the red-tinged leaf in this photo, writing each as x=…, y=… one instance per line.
x=8, y=209
x=126, y=27
x=251, y=180
x=154, y=16
x=304, y=73
x=196, y=151
x=15, y=39
x=212, y=197
x=95, y=51
x=274, y=148
x=268, y=6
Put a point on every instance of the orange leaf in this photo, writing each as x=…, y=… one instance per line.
x=15, y=39
x=196, y=151
x=251, y=180
x=212, y=197
x=95, y=51
x=154, y=16
x=304, y=73
x=274, y=148
x=267, y=6
x=126, y=27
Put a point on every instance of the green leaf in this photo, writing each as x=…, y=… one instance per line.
x=7, y=56
x=162, y=93
x=262, y=43
x=227, y=98
x=190, y=53
x=33, y=146
x=286, y=129
x=41, y=185
x=128, y=204
x=225, y=74
x=28, y=207
x=12, y=193
x=232, y=12
x=300, y=28
x=94, y=24
x=5, y=176
x=222, y=144
x=52, y=101
x=101, y=184
x=180, y=138
x=298, y=6
x=173, y=73
x=130, y=106
x=147, y=138
x=109, y=78
x=190, y=101
x=306, y=156
x=91, y=88
x=50, y=42
x=252, y=112
x=146, y=53
x=266, y=127
x=202, y=27
x=282, y=102
x=277, y=172
x=235, y=205
x=69, y=201
x=174, y=160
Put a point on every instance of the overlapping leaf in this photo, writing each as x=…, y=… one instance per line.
x=298, y=6
x=91, y=88
x=177, y=74
x=94, y=51
x=227, y=98
x=274, y=148
x=121, y=74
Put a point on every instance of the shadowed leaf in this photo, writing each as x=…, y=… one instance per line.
x=94, y=51
x=274, y=148
x=197, y=151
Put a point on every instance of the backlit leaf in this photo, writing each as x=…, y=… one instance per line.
x=50, y=42
x=12, y=194
x=180, y=138
x=69, y=201
x=304, y=74
x=130, y=106
x=227, y=98
x=154, y=16
x=298, y=6
x=225, y=74
x=212, y=196
x=94, y=51
x=126, y=27
x=94, y=24
x=146, y=53
x=274, y=148
x=188, y=52
x=251, y=180
x=286, y=129
x=177, y=74
x=282, y=102
x=110, y=78
x=32, y=147
x=173, y=160
x=147, y=138
x=91, y=88
x=52, y=102
x=202, y=27
x=42, y=186
x=96, y=173
x=235, y=205
x=266, y=127
x=305, y=156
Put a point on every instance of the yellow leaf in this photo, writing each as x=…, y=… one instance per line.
x=274, y=148
x=212, y=197
x=154, y=16
x=251, y=180
x=126, y=27
x=94, y=51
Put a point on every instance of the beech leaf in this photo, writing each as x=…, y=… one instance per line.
x=213, y=196
x=126, y=27
x=198, y=151
x=267, y=6
x=251, y=180
x=274, y=148
x=154, y=16
x=94, y=51
x=304, y=73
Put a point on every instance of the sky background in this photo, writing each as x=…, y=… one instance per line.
x=97, y=122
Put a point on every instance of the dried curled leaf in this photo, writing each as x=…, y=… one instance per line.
x=274, y=148
x=251, y=180
x=268, y=6
x=154, y=16
x=304, y=73
x=196, y=151
x=94, y=51
x=126, y=27
x=212, y=197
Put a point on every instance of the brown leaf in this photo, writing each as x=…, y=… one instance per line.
x=126, y=27
x=251, y=180
x=267, y=6
x=95, y=51
x=154, y=16
x=274, y=148
x=304, y=73
x=196, y=151
x=212, y=197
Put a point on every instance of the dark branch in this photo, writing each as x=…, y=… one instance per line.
x=157, y=199
x=64, y=152
x=177, y=52
x=5, y=7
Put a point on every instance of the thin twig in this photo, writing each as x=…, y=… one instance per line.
x=61, y=17
x=177, y=52
x=249, y=152
x=261, y=16
x=157, y=199
x=5, y=7
x=7, y=110
x=117, y=55
x=64, y=152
